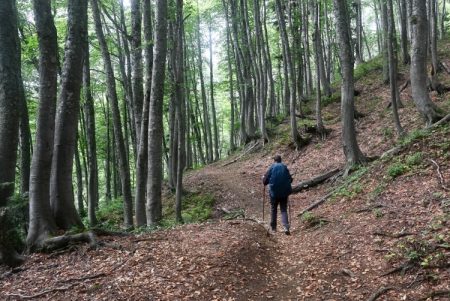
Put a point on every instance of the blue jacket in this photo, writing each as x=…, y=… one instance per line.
x=279, y=180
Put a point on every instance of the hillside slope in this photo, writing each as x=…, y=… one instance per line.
x=386, y=226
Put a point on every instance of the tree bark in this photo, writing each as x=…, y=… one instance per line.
x=124, y=169
x=92, y=193
x=296, y=138
x=142, y=159
x=211, y=89
x=10, y=104
x=352, y=151
x=136, y=64
x=42, y=222
x=392, y=45
x=418, y=72
x=61, y=192
x=404, y=32
x=155, y=127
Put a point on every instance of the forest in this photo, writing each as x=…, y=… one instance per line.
x=124, y=122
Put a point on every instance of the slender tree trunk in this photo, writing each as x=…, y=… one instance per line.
x=79, y=173
x=404, y=32
x=155, y=127
x=41, y=220
x=418, y=74
x=93, y=195
x=443, y=18
x=124, y=169
x=384, y=21
x=211, y=88
x=10, y=104
x=136, y=63
x=352, y=152
x=359, y=38
x=142, y=159
x=287, y=56
x=393, y=68
x=434, y=35
x=25, y=143
x=320, y=73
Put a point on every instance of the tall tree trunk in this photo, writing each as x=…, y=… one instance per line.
x=443, y=18
x=92, y=193
x=61, y=192
x=211, y=88
x=124, y=169
x=142, y=156
x=434, y=35
x=79, y=173
x=352, y=152
x=136, y=64
x=418, y=73
x=392, y=45
x=155, y=127
x=359, y=37
x=320, y=73
x=41, y=221
x=179, y=93
x=404, y=32
x=10, y=104
x=288, y=59
x=25, y=143
x=385, y=27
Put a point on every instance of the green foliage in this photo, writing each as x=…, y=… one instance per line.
x=378, y=213
x=387, y=132
x=414, y=159
x=110, y=214
x=413, y=136
x=365, y=68
x=377, y=191
x=311, y=220
x=351, y=186
x=397, y=169
x=334, y=98
x=15, y=221
x=197, y=208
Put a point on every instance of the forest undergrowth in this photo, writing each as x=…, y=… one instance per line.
x=382, y=234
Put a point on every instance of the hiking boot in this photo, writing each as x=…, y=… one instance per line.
x=286, y=231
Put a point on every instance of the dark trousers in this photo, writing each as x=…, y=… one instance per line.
x=283, y=208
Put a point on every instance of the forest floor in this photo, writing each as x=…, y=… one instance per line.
x=383, y=235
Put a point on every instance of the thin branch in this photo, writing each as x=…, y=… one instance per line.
x=441, y=177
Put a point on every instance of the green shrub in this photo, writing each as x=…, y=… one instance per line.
x=363, y=69
x=397, y=169
x=110, y=214
x=414, y=159
x=311, y=220
x=197, y=208
x=413, y=136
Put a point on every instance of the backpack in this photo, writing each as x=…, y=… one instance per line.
x=280, y=181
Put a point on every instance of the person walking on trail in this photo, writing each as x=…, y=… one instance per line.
x=279, y=180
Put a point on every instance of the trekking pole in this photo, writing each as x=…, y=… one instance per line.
x=264, y=199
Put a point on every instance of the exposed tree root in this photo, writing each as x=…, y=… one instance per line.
x=56, y=289
x=392, y=152
x=380, y=292
x=104, y=232
x=59, y=242
x=432, y=295
x=441, y=177
x=369, y=208
x=315, y=181
x=402, y=268
x=445, y=119
x=392, y=235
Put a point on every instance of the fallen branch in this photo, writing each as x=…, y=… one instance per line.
x=435, y=294
x=392, y=152
x=395, y=235
x=370, y=208
x=317, y=203
x=445, y=67
x=404, y=86
x=403, y=268
x=440, y=122
x=243, y=154
x=380, y=292
x=104, y=232
x=441, y=177
x=89, y=277
x=56, y=289
x=314, y=181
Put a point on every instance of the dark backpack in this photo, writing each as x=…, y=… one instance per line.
x=280, y=181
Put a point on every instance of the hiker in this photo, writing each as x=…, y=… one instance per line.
x=279, y=180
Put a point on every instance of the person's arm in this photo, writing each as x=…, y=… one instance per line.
x=266, y=177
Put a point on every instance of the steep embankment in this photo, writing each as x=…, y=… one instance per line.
x=385, y=230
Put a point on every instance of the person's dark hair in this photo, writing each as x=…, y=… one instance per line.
x=277, y=158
